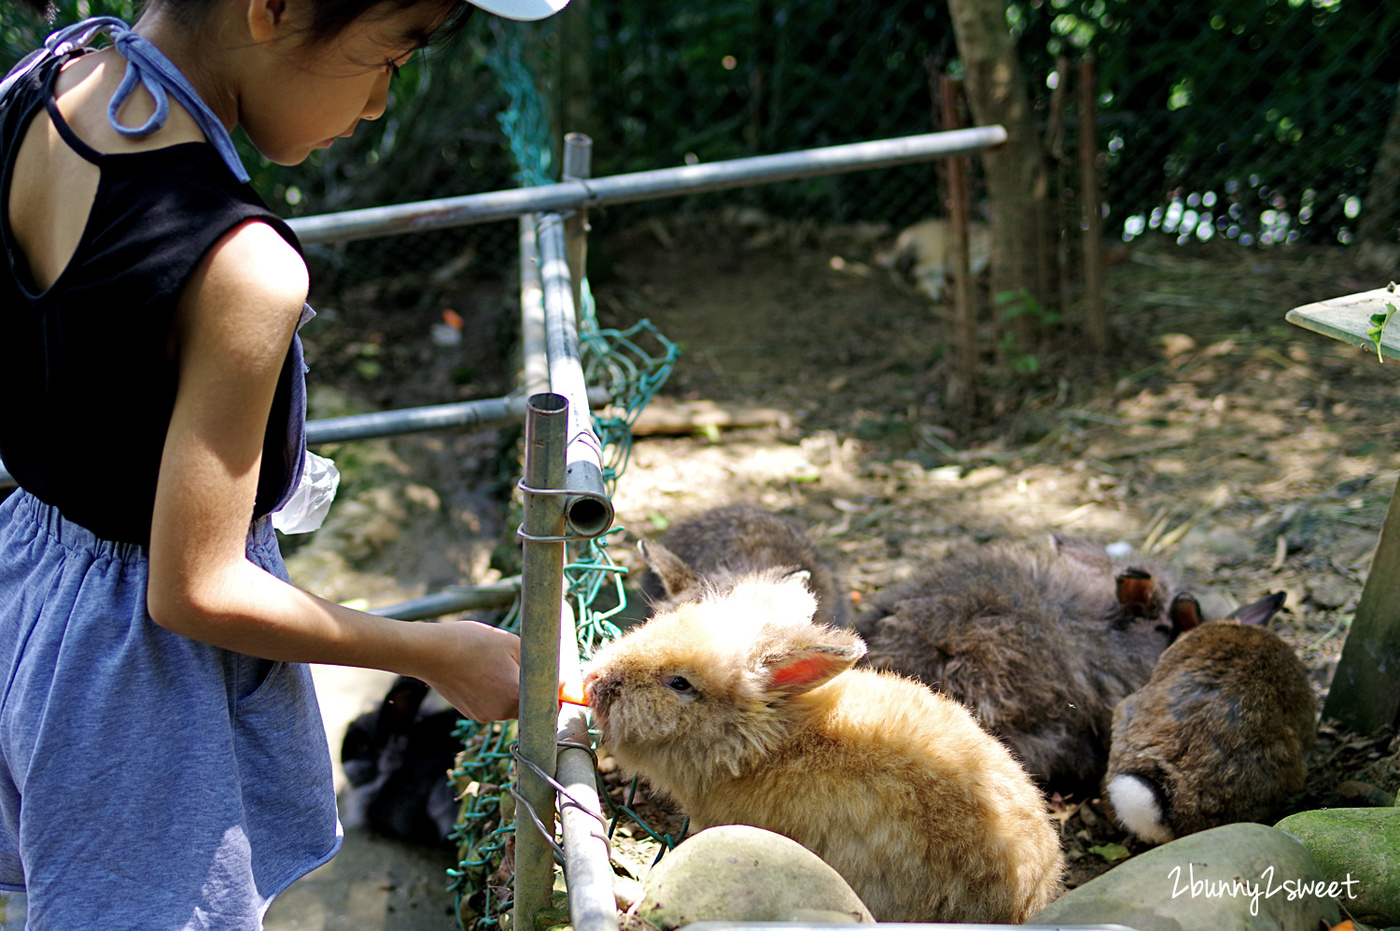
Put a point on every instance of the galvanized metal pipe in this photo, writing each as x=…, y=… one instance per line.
x=589, y=511
x=534, y=376
x=642, y=185
x=542, y=596
x=587, y=862
x=578, y=165
x=464, y=415
x=451, y=601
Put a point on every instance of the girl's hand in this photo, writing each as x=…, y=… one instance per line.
x=477, y=670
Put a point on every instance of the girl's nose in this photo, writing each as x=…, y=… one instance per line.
x=378, y=98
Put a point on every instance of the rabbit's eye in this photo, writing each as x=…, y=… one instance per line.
x=679, y=683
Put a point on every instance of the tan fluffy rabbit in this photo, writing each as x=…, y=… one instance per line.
x=1217, y=735
x=743, y=711
x=1038, y=643
x=718, y=546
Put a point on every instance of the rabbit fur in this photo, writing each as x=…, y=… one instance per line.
x=1039, y=644
x=1217, y=735
x=743, y=711
x=717, y=546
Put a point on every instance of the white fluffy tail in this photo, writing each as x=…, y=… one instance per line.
x=1137, y=807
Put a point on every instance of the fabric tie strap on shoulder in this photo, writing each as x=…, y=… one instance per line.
x=147, y=67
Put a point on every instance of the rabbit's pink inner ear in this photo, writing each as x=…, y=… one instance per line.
x=1185, y=613
x=803, y=670
x=1134, y=587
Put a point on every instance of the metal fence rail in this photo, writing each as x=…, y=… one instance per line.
x=642, y=185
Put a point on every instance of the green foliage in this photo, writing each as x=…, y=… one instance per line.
x=1377, y=327
x=1256, y=121
x=1253, y=120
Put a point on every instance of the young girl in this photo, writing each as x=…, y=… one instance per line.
x=162, y=761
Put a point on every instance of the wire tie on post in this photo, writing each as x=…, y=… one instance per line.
x=560, y=790
x=539, y=825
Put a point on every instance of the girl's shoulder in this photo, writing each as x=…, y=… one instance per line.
x=83, y=91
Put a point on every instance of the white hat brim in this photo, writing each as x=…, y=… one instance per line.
x=523, y=10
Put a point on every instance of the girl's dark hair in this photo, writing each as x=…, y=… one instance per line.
x=329, y=17
x=37, y=7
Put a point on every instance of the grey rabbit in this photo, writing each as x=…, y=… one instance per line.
x=396, y=760
x=1217, y=735
x=743, y=711
x=1039, y=644
x=717, y=546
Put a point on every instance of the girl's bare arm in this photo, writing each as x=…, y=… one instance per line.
x=231, y=335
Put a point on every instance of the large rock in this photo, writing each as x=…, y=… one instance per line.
x=740, y=873
x=1238, y=877
x=1361, y=848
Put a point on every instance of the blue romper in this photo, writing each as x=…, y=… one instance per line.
x=147, y=781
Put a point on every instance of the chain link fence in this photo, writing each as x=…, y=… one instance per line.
x=1252, y=122
x=1257, y=122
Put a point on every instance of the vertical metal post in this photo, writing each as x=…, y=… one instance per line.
x=578, y=164
x=542, y=596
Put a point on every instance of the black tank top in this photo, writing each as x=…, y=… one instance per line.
x=87, y=378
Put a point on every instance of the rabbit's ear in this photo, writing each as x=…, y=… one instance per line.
x=803, y=668
x=1083, y=552
x=676, y=577
x=1259, y=613
x=1185, y=613
x=402, y=701
x=1134, y=588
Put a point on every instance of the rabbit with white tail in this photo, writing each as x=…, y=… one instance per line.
x=720, y=545
x=1217, y=735
x=1039, y=645
x=743, y=711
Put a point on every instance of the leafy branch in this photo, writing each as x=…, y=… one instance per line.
x=1378, y=322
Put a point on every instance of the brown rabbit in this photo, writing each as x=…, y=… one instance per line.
x=717, y=546
x=1038, y=645
x=743, y=711
x=1217, y=735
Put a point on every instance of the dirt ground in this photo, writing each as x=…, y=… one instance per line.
x=1257, y=456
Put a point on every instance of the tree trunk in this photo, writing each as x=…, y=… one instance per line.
x=1017, y=178
x=1380, y=211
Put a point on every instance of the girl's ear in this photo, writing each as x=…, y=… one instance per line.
x=267, y=19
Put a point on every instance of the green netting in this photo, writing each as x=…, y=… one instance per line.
x=631, y=365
